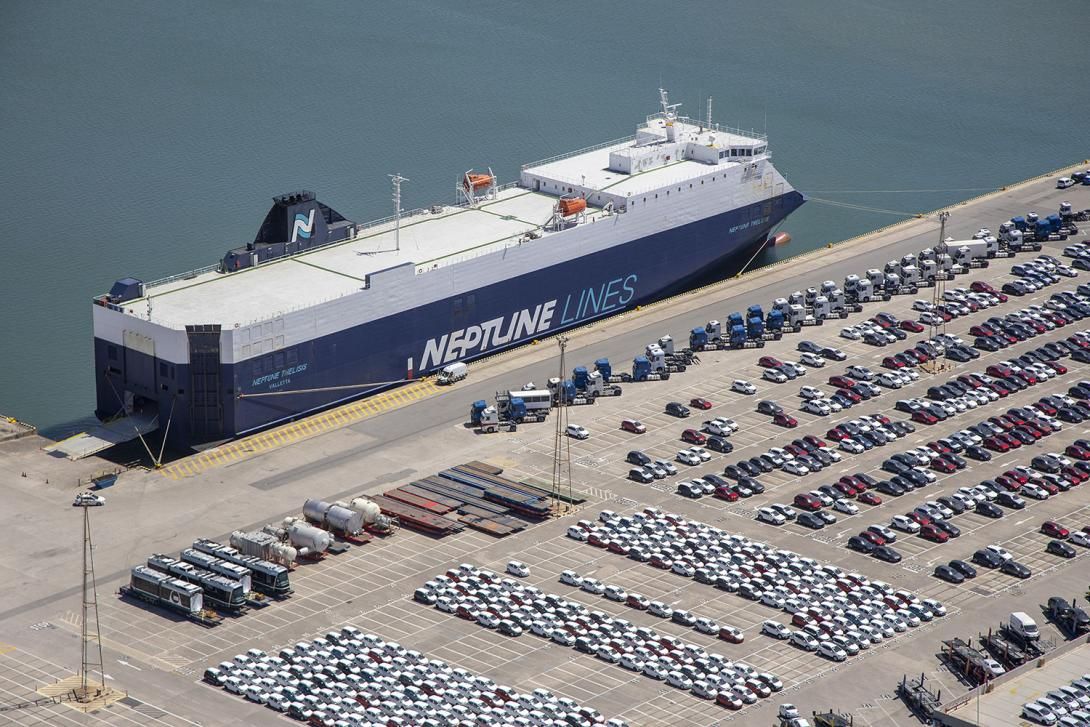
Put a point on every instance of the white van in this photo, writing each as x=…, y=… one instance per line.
x=1024, y=626
x=452, y=373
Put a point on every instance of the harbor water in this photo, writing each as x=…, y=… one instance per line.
x=146, y=139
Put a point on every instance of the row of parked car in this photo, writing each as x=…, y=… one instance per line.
x=1067, y=706
x=971, y=390
x=825, y=603
x=639, y=649
x=932, y=519
x=880, y=330
x=348, y=678
x=854, y=436
x=1036, y=275
x=638, y=601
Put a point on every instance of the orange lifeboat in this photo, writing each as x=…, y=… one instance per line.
x=572, y=206
x=477, y=181
x=781, y=238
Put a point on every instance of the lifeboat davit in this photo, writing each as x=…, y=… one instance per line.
x=571, y=206
x=477, y=181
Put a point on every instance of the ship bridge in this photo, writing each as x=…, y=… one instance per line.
x=667, y=150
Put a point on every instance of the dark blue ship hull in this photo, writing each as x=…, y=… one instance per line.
x=416, y=342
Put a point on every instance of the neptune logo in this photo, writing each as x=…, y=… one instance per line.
x=303, y=227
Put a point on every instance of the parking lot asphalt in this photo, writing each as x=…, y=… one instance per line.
x=159, y=659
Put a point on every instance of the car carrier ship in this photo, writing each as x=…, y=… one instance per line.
x=319, y=309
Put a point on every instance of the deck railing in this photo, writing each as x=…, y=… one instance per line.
x=577, y=152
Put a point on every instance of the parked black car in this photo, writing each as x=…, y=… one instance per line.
x=948, y=574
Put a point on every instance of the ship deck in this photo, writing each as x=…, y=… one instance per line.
x=591, y=169
x=427, y=241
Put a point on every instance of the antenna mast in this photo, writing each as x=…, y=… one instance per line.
x=669, y=109
x=91, y=637
x=397, y=179
x=938, y=322
x=561, y=443
x=709, y=124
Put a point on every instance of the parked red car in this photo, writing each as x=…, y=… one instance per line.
x=1054, y=529
x=726, y=493
x=920, y=518
x=693, y=437
x=841, y=382
x=941, y=464
x=869, y=498
x=808, y=502
x=911, y=326
x=769, y=362
x=924, y=417
x=850, y=395
x=785, y=420
x=933, y=533
x=700, y=403
x=873, y=537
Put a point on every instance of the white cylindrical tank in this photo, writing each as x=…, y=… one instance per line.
x=344, y=520
x=315, y=510
x=284, y=554
x=308, y=538
x=368, y=507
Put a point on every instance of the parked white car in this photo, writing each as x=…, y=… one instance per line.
x=846, y=506
x=861, y=373
x=576, y=431
x=831, y=651
x=851, y=446
x=795, y=468
x=904, y=524
x=743, y=387
x=687, y=457
x=768, y=515
x=775, y=629
x=774, y=375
